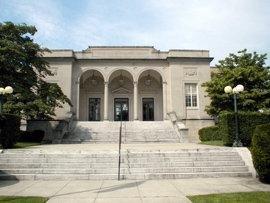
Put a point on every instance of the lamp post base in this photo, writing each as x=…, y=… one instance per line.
x=237, y=143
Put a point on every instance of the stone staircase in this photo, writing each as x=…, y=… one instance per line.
x=132, y=132
x=53, y=164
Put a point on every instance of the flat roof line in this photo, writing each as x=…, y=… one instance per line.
x=120, y=46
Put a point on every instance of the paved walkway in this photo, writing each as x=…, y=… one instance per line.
x=110, y=191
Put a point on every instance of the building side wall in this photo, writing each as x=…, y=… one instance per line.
x=62, y=70
x=183, y=72
x=188, y=72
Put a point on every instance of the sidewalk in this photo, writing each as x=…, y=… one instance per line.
x=110, y=191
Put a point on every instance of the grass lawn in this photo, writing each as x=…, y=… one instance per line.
x=241, y=197
x=23, y=199
x=213, y=142
x=25, y=144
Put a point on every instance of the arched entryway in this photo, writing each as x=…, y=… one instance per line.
x=120, y=96
x=91, y=96
x=142, y=96
x=150, y=96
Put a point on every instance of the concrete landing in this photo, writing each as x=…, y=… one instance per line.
x=113, y=147
x=110, y=191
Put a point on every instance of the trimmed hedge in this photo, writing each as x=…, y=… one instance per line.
x=209, y=133
x=247, y=121
x=260, y=151
x=31, y=136
x=9, y=130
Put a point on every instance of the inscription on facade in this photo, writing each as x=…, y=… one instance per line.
x=190, y=72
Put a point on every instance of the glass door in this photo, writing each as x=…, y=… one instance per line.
x=121, y=106
x=148, y=109
x=94, y=109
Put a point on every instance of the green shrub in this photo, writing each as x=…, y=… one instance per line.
x=9, y=129
x=247, y=121
x=209, y=133
x=31, y=136
x=261, y=151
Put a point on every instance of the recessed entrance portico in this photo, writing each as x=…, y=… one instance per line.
x=120, y=94
x=91, y=96
x=101, y=99
x=150, y=94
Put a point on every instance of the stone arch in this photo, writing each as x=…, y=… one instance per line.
x=120, y=89
x=82, y=71
x=108, y=76
x=90, y=98
x=161, y=73
x=150, y=95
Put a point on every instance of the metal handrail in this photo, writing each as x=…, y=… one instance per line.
x=119, y=147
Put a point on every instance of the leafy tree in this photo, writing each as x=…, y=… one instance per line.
x=23, y=67
x=244, y=68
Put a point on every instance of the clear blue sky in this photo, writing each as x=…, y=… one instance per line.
x=220, y=26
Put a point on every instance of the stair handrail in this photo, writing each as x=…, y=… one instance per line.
x=119, y=147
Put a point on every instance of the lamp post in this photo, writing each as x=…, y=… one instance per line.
x=236, y=90
x=6, y=90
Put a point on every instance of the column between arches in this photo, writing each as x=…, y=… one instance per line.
x=135, y=92
x=164, y=88
x=106, y=97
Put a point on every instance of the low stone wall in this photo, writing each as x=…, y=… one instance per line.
x=48, y=126
x=194, y=125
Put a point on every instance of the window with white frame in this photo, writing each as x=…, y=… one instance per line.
x=191, y=95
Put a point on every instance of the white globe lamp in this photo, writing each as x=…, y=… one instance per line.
x=228, y=89
x=240, y=88
x=2, y=90
x=8, y=90
x=235, y=90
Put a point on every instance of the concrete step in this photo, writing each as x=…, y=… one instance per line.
x=59, y=160
x=61, y=171
x=56, y=164
x=186, y=175
x=115, y=164
x=187, y=169
x=132, y=132
x=123, y=177
x=179, y=154
x=58, y=177
x=115, y=159
x=124, y=171
x=66, y=155
x=184, y=159
x=59, y=165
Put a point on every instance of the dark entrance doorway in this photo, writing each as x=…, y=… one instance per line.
x=94, y=109
x=121, y=103
x=148, y=109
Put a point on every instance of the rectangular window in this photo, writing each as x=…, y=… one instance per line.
x=191, y=95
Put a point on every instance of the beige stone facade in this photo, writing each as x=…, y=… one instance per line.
x=145, y=82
